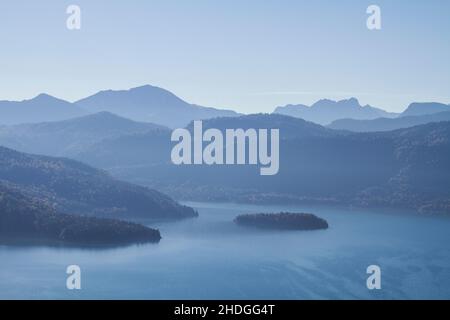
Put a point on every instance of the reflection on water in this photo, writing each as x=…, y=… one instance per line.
x=210, y=257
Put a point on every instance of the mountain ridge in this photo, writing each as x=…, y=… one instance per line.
x=387, y=124
x=425, y=108
x=157, y=105
x=69, y=137
x=326, y=111
x=73, y=187
x=404, y=168
x=41, y=108
x=31, y=219
x=151, y=104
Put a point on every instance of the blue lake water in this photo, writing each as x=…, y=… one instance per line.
x=212, y=258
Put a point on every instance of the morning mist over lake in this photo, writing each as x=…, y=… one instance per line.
x=223, y=158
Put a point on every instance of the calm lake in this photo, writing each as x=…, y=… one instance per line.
x=212, y=258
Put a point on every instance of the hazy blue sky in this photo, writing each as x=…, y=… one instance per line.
x=247, y=55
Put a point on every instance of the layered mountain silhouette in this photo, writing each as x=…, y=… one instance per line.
x=326, y=111
x=405, y=168
x=39, y=109
x=71, y=187
x=126, y=153
x=156, y=105
x=107, y=140
x=146, y=103
x=291, y=127
x=150, y=104
x=387, y=124
x=70, y=137
x=402, y=168
x=425, y=108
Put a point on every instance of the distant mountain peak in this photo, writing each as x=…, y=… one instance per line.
x=41, y=108
x=350, y=101
x=44, y=97
x=326, y=111
x=139, y=89
x=323, y=101
x=353, y=101
x=150, y=104
x=423, y=108
x=147, y=87
x=154, y=90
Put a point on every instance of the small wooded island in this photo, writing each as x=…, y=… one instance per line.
x=282, y=221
